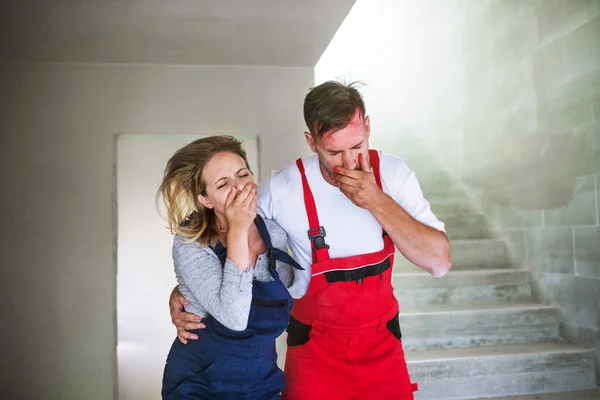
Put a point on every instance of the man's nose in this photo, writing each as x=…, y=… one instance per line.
x=348, y=161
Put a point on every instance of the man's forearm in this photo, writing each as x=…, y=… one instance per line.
x=422, y=245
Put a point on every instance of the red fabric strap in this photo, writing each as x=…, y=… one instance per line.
x=313, y=217
x=374, y=158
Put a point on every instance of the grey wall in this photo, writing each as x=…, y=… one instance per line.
x=532, y=143
x=57, y=153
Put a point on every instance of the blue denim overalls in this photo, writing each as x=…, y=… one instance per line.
x=235, y=365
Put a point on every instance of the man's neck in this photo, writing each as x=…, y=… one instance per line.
x=327, y=176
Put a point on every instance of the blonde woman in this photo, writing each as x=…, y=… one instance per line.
x=233, y=268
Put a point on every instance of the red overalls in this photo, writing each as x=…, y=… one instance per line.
x=344, y=336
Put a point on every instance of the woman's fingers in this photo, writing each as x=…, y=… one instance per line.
x=243, y=195
x=252, y=203
x=230, y=197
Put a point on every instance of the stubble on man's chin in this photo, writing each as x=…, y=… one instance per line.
x=326, y=171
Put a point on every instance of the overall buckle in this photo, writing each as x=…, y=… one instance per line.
x=317, y=236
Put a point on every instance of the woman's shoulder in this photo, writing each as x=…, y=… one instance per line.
x=184, y=245
x=180, y=241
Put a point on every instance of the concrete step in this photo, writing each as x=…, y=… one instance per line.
x=475, y=372
x=445, y=327
x=458, y=287
x=466, y=226
x=593, y=394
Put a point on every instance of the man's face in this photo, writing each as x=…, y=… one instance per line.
x=341, y=148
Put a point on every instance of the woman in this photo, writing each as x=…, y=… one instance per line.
x=228, y=263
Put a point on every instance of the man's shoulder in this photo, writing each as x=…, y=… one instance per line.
x=291, y=169
x=394, y=170
x=288, y=171
x=276, y=192
x=391, y=160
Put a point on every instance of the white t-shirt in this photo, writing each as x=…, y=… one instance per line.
x=350, y=230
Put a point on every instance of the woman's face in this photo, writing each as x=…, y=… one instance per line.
x=224, y=172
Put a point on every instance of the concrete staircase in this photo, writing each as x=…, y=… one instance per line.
x=477, y=332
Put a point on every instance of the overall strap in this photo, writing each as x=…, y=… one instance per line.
x=316, y=232
x=374, y=158
x=220, y=251
x=273, y=253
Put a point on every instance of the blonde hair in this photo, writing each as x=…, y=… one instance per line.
x=182, y=183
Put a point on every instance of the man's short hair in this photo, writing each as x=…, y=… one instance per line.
x=330, y=106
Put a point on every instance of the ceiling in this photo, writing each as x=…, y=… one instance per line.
x=220, y=32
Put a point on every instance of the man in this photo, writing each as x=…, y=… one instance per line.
x=345, y=210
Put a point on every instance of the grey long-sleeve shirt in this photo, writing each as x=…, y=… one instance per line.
x=224, y=292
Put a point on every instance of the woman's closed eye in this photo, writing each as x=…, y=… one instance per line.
x=225, y=182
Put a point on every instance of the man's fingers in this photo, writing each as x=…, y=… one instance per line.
x=351, y=173
x=189, y=317
x=180, y=319
x=188, y=321
x=190, y=326
x=179, y=302
x=347, y=189
x=176, y=307
x=364, y=163
x=182, y=339
x=342, y=179
x=184, y=336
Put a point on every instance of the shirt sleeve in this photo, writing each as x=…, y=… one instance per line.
x=409, y=196
x=225, y=292
x=266, y=205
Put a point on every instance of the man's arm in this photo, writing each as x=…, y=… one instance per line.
x=182, y=320
x=424, y=246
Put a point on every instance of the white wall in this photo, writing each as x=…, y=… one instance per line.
x=409, y=56
x=57, y=156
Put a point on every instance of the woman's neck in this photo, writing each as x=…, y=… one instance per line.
x=253, y=233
